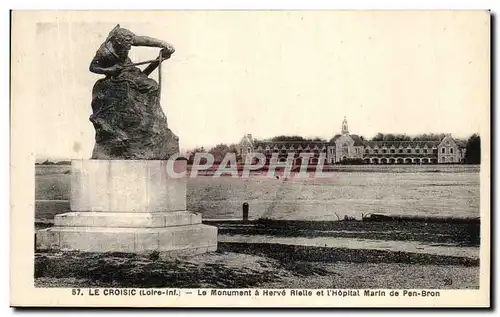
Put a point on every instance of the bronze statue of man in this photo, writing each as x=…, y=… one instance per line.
x=127, y=116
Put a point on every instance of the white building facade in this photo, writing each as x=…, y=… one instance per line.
x=351, y=147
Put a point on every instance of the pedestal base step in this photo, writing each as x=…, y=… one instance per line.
x=127, y=220
x=178, y=240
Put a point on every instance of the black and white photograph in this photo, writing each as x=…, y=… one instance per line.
x=251, y=158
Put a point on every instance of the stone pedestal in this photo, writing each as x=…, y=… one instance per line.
x=128, y=206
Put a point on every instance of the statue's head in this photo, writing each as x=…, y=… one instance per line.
x=121, y=38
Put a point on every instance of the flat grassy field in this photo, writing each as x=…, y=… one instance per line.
x=443, y=191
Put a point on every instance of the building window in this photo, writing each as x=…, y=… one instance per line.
x=417, y=151
x=451, y=150
x=425, y=151
x=393, y=151
x=408, y=151
x=442, y=151
x=400, y=150
x=384, y=151
x=249, y=150
x=375, y=151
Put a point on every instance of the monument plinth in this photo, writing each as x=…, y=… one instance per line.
x=128, y=197
x=128, y=206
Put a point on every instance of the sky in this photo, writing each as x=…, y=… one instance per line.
x=274, y=73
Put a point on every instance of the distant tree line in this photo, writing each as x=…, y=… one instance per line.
x=295, y=138
x=473, y=150
x=403, y=137
x=219, y=152
x=47, y=162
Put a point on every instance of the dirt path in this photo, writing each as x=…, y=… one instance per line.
x=329, y=242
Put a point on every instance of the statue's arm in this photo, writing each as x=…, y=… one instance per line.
x=167, y=50
x=152, y=42
x=97, y=68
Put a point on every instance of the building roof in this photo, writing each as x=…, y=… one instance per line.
x=403, y=144
x=289, y=144
x=335, y=137
x=356, y=138
x=358, y=141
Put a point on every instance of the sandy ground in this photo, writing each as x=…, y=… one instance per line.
x=453, y=194
x=248, y=266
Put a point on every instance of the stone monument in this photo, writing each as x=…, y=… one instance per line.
x=129, y=196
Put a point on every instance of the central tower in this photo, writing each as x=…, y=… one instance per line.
x=345, y=128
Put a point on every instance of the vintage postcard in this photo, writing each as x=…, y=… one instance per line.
x=250, y=158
